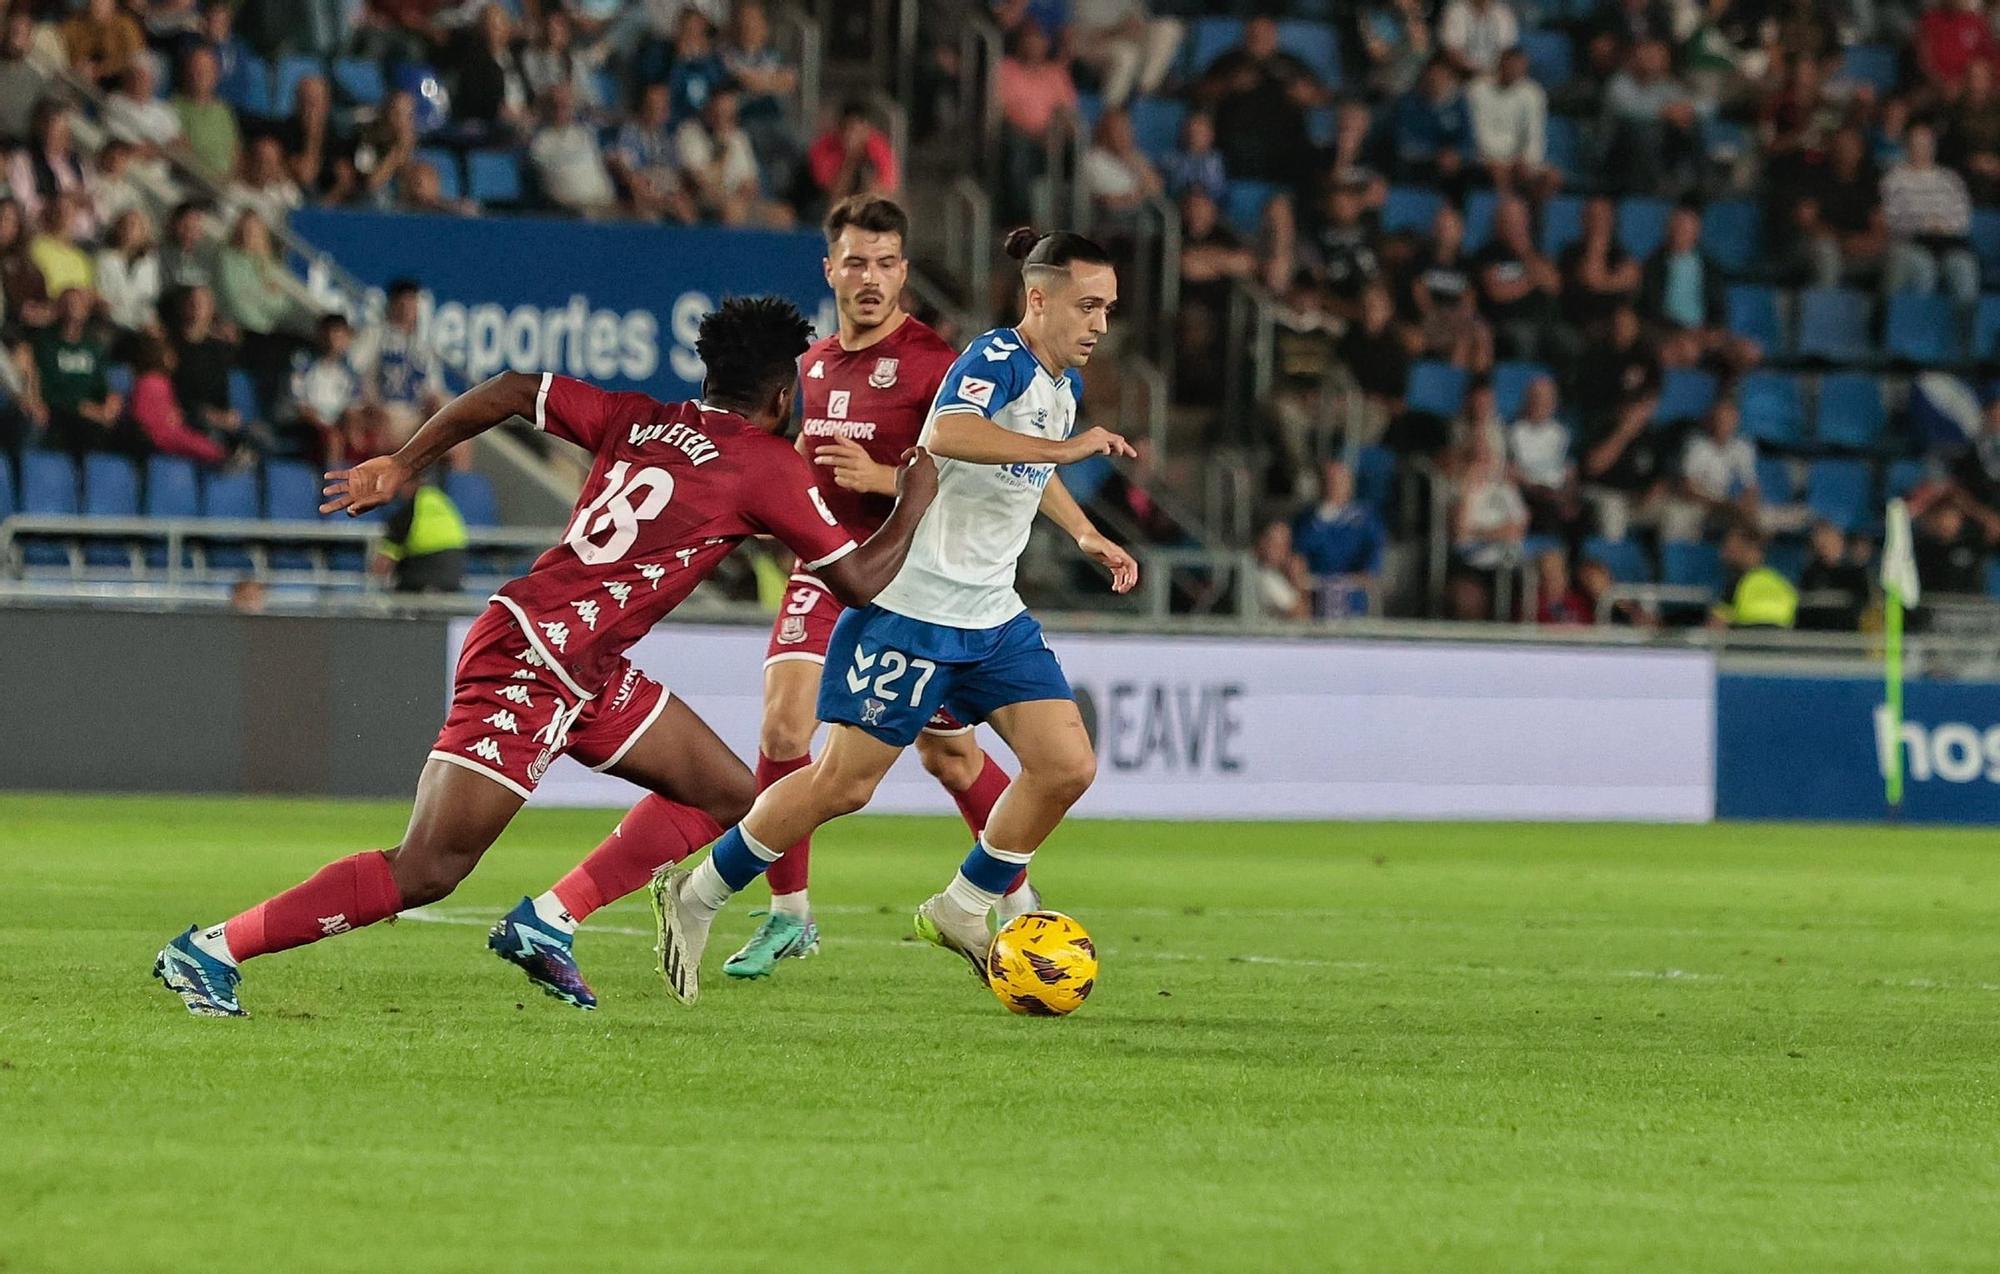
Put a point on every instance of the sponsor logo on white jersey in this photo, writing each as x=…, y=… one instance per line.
x=976, y=391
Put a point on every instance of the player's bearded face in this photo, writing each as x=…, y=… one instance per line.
x=866, y=271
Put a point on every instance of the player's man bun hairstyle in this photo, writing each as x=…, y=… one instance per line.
x=1057, y=251
x=751, y=346
x=872, y=213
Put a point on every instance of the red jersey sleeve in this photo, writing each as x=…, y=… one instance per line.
x=787, y=503
x=581, y=413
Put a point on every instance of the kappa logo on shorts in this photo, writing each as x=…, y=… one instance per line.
x=884, y=374
x=872, y=710
x=792, y=631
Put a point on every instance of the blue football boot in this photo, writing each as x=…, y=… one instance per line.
x=524, y=940
x=205, y=984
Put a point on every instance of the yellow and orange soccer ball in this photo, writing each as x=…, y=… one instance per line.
x=1042, y=965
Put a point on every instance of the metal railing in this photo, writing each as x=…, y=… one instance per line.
x=980, y=49
x=804, y=38
x=968, y=237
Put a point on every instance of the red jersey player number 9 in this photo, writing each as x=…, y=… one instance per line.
x=624, y=504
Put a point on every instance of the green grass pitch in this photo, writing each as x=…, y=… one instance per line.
x=1366, y=1047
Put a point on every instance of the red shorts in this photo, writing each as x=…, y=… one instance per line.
x=805, y=627
x=511, y=713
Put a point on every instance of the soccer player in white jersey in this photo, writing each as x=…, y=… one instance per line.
x=950, y=631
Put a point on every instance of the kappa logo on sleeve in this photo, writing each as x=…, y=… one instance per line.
x=976, y=391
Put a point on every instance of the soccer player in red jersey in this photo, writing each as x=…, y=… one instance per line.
x=864, y=394
x=674, y=488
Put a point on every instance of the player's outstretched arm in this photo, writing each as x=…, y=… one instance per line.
x=375, y=482
x=964, y=435
x=855, y=579
x=1061, y=508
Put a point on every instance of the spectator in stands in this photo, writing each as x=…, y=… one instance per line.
x=1259, y=96
x=698, y=71
x=1796, y=120
x=1650, y=124
x=1280, y=587
x=206, y=121
x=1117, y=175
x=767, y=82
x=421, y=190
x=490, y=94
x=326, y=396
x=1050, y=17
x=265, y=185
x=1972, y=138
x=1443, y=298
x=1518, y=286
x=423, y=544
x=722, y=168
x=1758, y=597
x=400, y=371
x=852, y=157
x=134, y=115
x=1342, y=236
x=1951, y=36
x=1131, y=48
x=113, y=189
x=1538, y=453
x=202, y=359
x=22, y=80
x=400, y=30
x=235, y=62
x=251, y=293
x=1510, y=115
x=1715, y=65
x=1341, y=539
x=1557, y=600
x=569, y=165
x=1841, y=583
x=553, y=59
x=65, y=266
x=1840, y=235
x=21, y=286
x=128, y=279
x=1396, y=41
x=1684, y=293
x=1197, y=165
x=646, y=163
x=188, y=258
x=1036, y=95
x=1718, y=479
x=1928, y=215
x=320, y=157
x=1489, y=524
x=384, y=148
x=1598, y=275
x=1474, y=33
x=1618, y=390
x=1212, y=256
x=157, y=412
x=49, y=165
x=103, y=42
x=1430, y=129
x=1617, y=27
x=1377, y=357
x=23, y=414
x=1950, y=552
x=84, y=415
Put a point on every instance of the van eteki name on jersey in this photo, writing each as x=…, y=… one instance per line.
x=697, y=446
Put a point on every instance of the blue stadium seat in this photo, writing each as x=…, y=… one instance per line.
x=1691, y=566
x=1833, y=324
x=1772, y=409
x=1626, y=561
x=450, y=183
x=1322, y=122
x=1986, y=328
x=1375, y=478
x=1732, y=231
x=1642, y=224
x=249, y=89
x=1089, y=109
x=1315, y=44
x=1777, y=481
x=473, y=495
x=48, y=484
x=1724, y=140
x=1753, y=312
x=110, y=490
x=7, y=501
x=290, y=71
x=243, y=395
x=1562, y=223
x=1870, y=64
x=119, y=377
x=1479, y=207
x=171, y=489
x=1210, y=39
x=1993, y=579
x=360, y=81
x=1436, y=388
x=494, y=176
x=1921, y=328
x=1410, y=208
x=1986, y=241
x=291, y=492
x=1243, y=204
x=230, y=495
x=1562, y=145
x=1903, y=477
x=1686, y=393
x=1156, y=124
x=1510, y=386
x=1551, y=60
x=1850, y=411
x=1838, y=492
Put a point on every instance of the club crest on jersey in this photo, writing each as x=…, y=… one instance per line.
x=884, y=374
x=836, y=404
x=872, y=710
x=792, y=631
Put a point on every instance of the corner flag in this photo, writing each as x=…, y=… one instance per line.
x=1899, y=589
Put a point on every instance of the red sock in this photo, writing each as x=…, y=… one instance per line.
x=788, y=874
x=653, y=832
x=976, y=804
x=343, y=895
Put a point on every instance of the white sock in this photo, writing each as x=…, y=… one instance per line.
x=213, y=943
x=968, y=897
x=1015, y=903
x=706, y=888
x=550, y=911
x=792, y=904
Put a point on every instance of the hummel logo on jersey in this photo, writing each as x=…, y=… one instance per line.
x=857, y=676
x=587, y=612
x=557, y=632
x=836, y=404
x=999, y=351
x=486, y=750
x=620, y=591
x=518, y=694
x=653, y=573
x=976, y=391
x=330, y=925
x=504, y=720
x=818, y=372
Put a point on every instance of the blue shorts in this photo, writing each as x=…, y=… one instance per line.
x=887, y=673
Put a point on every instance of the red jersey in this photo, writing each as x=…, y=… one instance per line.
x=675, y=487
x=879, y=397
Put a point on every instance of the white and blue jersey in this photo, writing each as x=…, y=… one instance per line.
x=950, y=632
